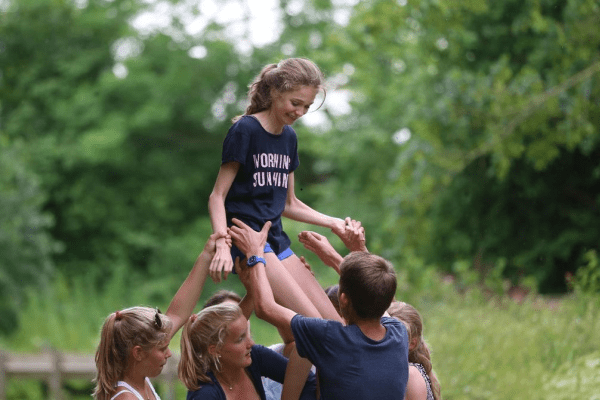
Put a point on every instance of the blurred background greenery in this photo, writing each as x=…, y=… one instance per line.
x=464, y=136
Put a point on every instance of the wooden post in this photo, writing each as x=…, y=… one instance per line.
x=55, y=378
x=3, y=361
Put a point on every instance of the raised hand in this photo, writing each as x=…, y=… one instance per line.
x=339, y=226
x=221, y=264
x=353, y=235
x=319, y=245
x=210, y=247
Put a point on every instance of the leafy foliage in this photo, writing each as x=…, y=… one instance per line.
x=25, y=243
x=503, y=110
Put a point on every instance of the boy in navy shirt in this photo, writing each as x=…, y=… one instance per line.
x=368, y=357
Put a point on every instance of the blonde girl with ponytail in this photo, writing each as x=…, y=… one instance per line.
x=219, y=359
x=422, y=381
x=134, y=342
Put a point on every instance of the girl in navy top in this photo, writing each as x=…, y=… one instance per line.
x=219, y=359
x=256, y=183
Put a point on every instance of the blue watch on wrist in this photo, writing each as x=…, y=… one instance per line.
x=253, y=260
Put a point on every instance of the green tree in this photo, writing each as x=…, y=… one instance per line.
x=123, y=130
x=26, y=247
x=497, y=97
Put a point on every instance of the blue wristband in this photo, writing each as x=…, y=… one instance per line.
x=253, y=260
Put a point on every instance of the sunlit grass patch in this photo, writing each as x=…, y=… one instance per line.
x=504, y=350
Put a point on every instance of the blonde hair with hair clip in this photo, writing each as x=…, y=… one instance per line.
x=121, y=332
x=420, y=354
x=288, y=74
x=208, y=328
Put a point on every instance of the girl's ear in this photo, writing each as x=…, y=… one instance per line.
x=212, y=350
x=138, y=353
x=413, y=344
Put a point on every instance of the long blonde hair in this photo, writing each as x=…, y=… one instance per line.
x=288, y=74
x=121, y=332
x=420, y=354
x=202, y=330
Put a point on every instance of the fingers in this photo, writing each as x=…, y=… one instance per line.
x=309, y=235
x=237, y=266
x=266, y=227
x=227, y=270
x=215, y=274
x=348, y=221
x=220, y=263
x=307, y=265
x=239, y=223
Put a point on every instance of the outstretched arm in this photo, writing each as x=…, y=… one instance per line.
x=187, y=296
x=319, y=245
x=216, y=207
x=252, y=243
x=298, y=211
x=247, y=305
x=353, y=238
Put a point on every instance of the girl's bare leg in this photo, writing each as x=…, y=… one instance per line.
x=286, y=290
x=311, y=288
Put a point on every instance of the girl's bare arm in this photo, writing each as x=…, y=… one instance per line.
x=221, y=262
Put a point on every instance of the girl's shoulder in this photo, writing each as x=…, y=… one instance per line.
x=246, y=122
x=207, y=390
x=419, y=380
x=125, y=394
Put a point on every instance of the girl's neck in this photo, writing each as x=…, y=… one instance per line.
x=137, y=381
x=268, y=122
x=230, y=377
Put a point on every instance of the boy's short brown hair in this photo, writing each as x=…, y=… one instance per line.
x=369, y=281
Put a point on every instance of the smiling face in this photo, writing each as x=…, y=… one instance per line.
x=235, y=352
x=288, y=106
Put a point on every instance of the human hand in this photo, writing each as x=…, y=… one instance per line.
x=339, y=226
x=307, y=265
x=210, y=247
x=249, y=241
x=319, y=245
x=221, y=262
x=353, y=236
x=241, y=268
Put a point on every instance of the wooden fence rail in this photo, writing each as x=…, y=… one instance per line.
x=55, y=367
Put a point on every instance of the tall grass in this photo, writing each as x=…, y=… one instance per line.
x=503, y=350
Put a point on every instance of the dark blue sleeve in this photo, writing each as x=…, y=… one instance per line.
x=206, y=392
x=236, y=144
x=272, y=365
x=295, y=157
x=309, y=334
x=269, y=363
x=389, y=321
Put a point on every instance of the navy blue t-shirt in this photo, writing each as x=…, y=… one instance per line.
x=265, y=362
x=350, y=364
x=259, y=190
